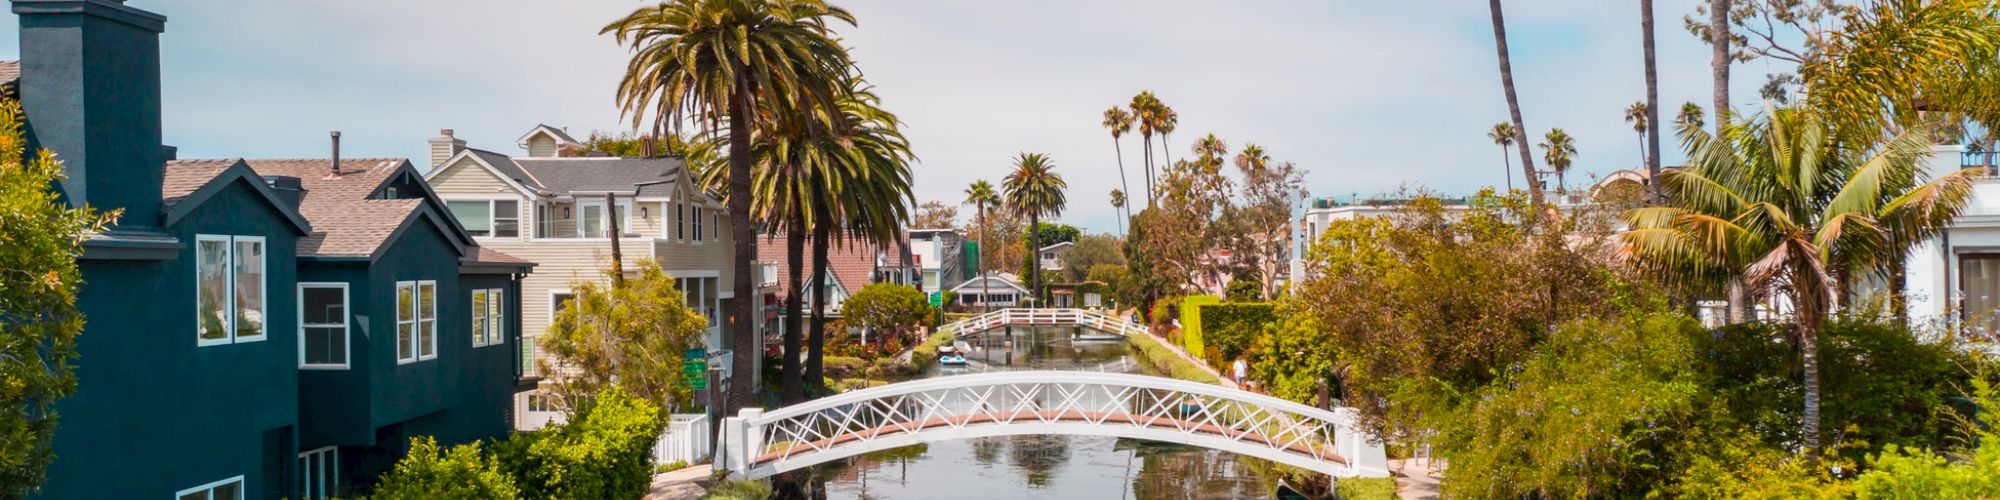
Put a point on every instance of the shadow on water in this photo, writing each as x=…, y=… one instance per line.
x=1063, y=467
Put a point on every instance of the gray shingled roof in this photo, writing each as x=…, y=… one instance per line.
x=10, y=71
x=650, y=176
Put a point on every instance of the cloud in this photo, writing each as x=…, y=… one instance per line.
x=1368, y=96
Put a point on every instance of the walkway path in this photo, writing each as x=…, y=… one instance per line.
x=1198, y=363
x=689, y=482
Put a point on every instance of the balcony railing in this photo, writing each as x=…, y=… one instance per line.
x=1982, y=160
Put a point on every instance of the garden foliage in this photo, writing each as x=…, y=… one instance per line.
x=604, y=451
x=462, y=473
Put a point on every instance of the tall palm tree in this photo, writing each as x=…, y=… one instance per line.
x=1503, y=136
x=1719, y=59
x=733, y=62
x=1652, y=104
x=1118, y=203
x=1781, y=204
x=981, y=196
x=1145, y=111
x=1514, y=103
x=1691, y=115
x=869, y=199
x=1636, y=115
x=1558, y=149
x=1035, y=190
x=1168, y=120
x=1119, y=122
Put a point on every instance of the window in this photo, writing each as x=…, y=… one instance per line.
x=680, y=221
x=541, y=402
x=323, y=325
x=416, y=321
x=489, y=322
x=714, y=225
x=1979, y=280
x=591, y=222
x=697, y=223
x=501, y=218
x=227, y=489
x=528, y=348
x=229, y=289
x=319, y=473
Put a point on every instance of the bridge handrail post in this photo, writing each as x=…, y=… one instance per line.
x=1363, y=452
x=740, y=438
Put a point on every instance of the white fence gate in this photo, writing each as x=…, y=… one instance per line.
x=686, y=440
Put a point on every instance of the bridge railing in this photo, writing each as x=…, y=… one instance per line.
x=1049, y=402
x=1044, y=316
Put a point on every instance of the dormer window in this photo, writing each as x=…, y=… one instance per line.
x=229, y=289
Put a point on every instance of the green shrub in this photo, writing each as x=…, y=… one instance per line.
x=839, y=367
x=926, y=353
x=603, y=452
x=1191, y=331
x=738, y=490
x=463, y=472
x=1232, y=327
x=1366, y=488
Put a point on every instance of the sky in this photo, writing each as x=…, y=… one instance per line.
x=1367, y=96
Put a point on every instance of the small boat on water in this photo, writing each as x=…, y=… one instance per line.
x=951, y=355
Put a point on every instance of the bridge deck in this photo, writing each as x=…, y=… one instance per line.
x=1300, y=448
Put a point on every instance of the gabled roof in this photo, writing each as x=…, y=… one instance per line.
x=851, y=261
x=347, y=222
x=1057, y=245
x=187, y=184
x=565, y=176
x=998, y=281
x=556, y=133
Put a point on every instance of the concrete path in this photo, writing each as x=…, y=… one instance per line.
x=1415, y=479
x=686, y=483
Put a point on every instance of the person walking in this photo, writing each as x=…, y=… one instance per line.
x=1242, y=371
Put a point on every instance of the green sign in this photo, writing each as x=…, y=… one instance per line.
x=937, y=299
x=695, y=367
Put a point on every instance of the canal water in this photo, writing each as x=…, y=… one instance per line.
x=1060, y=467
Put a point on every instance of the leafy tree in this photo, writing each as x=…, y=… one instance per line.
x=1090, y=251
x=1259, y=231
x=604, y=451
x=700, y=153
x=1784, y=204
x=1923, y=473
x=1243, y=289
x=887, y=307
x=461, y=473
x=935, y=214
x=1293, y=356
x=39, y=318
x=1035, y=190
x=636, y=335
x=761, y=59
x=1050, y=233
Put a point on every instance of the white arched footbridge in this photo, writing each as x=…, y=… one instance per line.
x=758, y=444
x=1044, y=316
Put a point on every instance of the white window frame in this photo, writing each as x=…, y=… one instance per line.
x=715, y=225
x=624, y=223
x=229, y=295
x=427, y=334
x=697, y=224
x=494, y=318
x=346, y=327
x=209, y=488
x=521, y=221
x=417, y=329
x=680, y=221
x=332, y=482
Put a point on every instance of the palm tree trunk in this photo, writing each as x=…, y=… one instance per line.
x=1514, y=104
x=1166, y=156
x=985, y=287
x=1652, y=149
x=1121, y=177
x=741, y=336
x=1899, y=299
x=1810, y=304
x=1718, y=63
x=816, y=345
x=1147, y=145
x=1035, y=257
x=1509, y=168
x=795, y=252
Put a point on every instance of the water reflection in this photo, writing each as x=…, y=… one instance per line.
x=1082, y=467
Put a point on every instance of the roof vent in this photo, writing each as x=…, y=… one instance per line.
x=336, y=152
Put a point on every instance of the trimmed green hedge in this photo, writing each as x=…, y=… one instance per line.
x=1230, y=328
x=1168, y=362
x=1366, y=488
x=1191, y=332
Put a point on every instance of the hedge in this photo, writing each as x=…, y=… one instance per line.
x=1169, y=362
x=1230, y=328
x=605, y=451
x=428, y=472
x=1366, y=488
x=927, y=352
x=1191, y=332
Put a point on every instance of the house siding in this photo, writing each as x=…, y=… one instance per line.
x=541, y=146
x=149, y=399
x=467, y=176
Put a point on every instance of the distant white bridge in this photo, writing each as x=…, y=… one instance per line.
x=1050, y=316
x=758, y=444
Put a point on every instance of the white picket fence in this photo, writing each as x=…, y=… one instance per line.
x=685, y=440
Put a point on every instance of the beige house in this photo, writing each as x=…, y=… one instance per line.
x=556, y=207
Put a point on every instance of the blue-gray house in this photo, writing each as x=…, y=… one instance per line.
x=256, y=329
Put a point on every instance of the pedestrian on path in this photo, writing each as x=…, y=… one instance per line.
x=1242, y=371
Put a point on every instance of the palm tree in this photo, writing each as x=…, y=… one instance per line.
x=874, y=198
x=1514, y=103
x=1145, y=110
x=1117, y=203
x=712, y=62
x=1503, y=136
x=1252, y=159
x=1691, y=115
x=1636, y=115
x=981, y=196
x=1652, y=104
x=1119, y=122
x=1168, y=120
x=1558, y=149
x=1781, y=204
x=1034, y=190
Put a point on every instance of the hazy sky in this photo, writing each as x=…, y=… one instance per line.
x=1366, y=95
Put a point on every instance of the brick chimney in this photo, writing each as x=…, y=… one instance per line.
x=444, y=146
x=90, y=87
